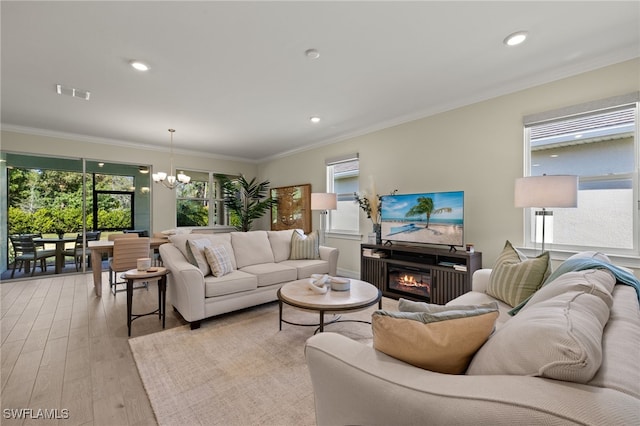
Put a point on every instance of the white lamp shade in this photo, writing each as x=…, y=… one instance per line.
x=547, y=191
x=323, y=201
x=183, y=178
x=158, y=177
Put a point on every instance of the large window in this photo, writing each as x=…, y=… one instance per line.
x=51, y=195
x=49, y=198
x=598, y=143
x=200, y=202
x=342, y=178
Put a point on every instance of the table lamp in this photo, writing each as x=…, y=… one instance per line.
x=546, y=191
x=323, y=202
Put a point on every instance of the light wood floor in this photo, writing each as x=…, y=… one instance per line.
x=65, y=348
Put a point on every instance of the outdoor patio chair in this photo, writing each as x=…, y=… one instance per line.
x=76, y=252
x=26, y=251
x=93, y=235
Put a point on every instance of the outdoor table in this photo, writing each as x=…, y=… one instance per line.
x=59, y=242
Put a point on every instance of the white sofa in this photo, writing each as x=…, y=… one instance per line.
x=260, y=266
x=355, y=384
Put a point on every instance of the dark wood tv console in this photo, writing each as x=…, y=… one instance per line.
x=420, y=273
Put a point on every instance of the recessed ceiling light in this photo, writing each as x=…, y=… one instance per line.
x=140, y=66
x=312, y=53
x=516, y=38
x=554, y=156
x=314, y=120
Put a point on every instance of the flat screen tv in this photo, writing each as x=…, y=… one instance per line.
x=426, y=218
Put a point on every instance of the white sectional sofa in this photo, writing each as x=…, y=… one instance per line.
x=570, y=356
x=260, y=265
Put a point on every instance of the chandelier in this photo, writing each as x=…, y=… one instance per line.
x=171, y=181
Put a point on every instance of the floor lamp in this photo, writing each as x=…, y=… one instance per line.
x=546, y=191
x=323, y=202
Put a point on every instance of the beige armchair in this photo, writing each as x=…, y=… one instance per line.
x=126, y=252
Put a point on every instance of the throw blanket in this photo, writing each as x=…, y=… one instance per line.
x=580, y=264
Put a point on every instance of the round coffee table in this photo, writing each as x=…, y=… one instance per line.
x=299, y=295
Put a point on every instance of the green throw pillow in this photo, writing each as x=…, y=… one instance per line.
x=514, y=277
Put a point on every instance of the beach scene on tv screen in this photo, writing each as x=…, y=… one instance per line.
x=431, y=218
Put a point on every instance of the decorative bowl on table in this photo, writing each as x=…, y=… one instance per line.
x=340, y=284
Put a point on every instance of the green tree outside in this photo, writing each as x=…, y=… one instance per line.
x=48, y=201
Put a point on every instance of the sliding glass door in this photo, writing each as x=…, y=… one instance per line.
x=61, y=198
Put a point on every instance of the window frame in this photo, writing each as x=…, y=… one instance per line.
x=213, y=189
x=354, y=233
x=630, y=257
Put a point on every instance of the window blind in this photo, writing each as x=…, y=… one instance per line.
x=341, y=159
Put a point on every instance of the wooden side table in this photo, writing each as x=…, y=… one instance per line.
x=133, y=276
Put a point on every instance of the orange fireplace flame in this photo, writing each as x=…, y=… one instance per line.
x=410, y=281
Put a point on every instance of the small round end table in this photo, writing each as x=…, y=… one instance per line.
x=133, y=276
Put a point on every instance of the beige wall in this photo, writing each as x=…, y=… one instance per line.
x=477, y=149
x=163, y=199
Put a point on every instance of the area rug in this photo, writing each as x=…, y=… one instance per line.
x=237, y=369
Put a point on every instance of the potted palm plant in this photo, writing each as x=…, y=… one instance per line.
x=247, y=200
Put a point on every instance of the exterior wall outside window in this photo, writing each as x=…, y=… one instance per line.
x=601, y=149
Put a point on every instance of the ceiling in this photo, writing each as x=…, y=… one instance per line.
x=233, y=79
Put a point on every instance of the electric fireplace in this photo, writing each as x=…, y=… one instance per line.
x=409, y=281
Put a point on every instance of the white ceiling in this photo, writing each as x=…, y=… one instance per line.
x=233, y=80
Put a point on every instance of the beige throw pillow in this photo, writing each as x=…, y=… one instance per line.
x=218, y=260
x=514, y=277
x=444, y=340
x=305, y=246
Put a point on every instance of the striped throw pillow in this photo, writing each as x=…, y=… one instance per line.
x=305, y=246
x=515, y=277
x=218, y=260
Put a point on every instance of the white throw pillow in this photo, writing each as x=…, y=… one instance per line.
x=195, y=248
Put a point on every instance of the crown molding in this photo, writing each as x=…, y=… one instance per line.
x=115, y=142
